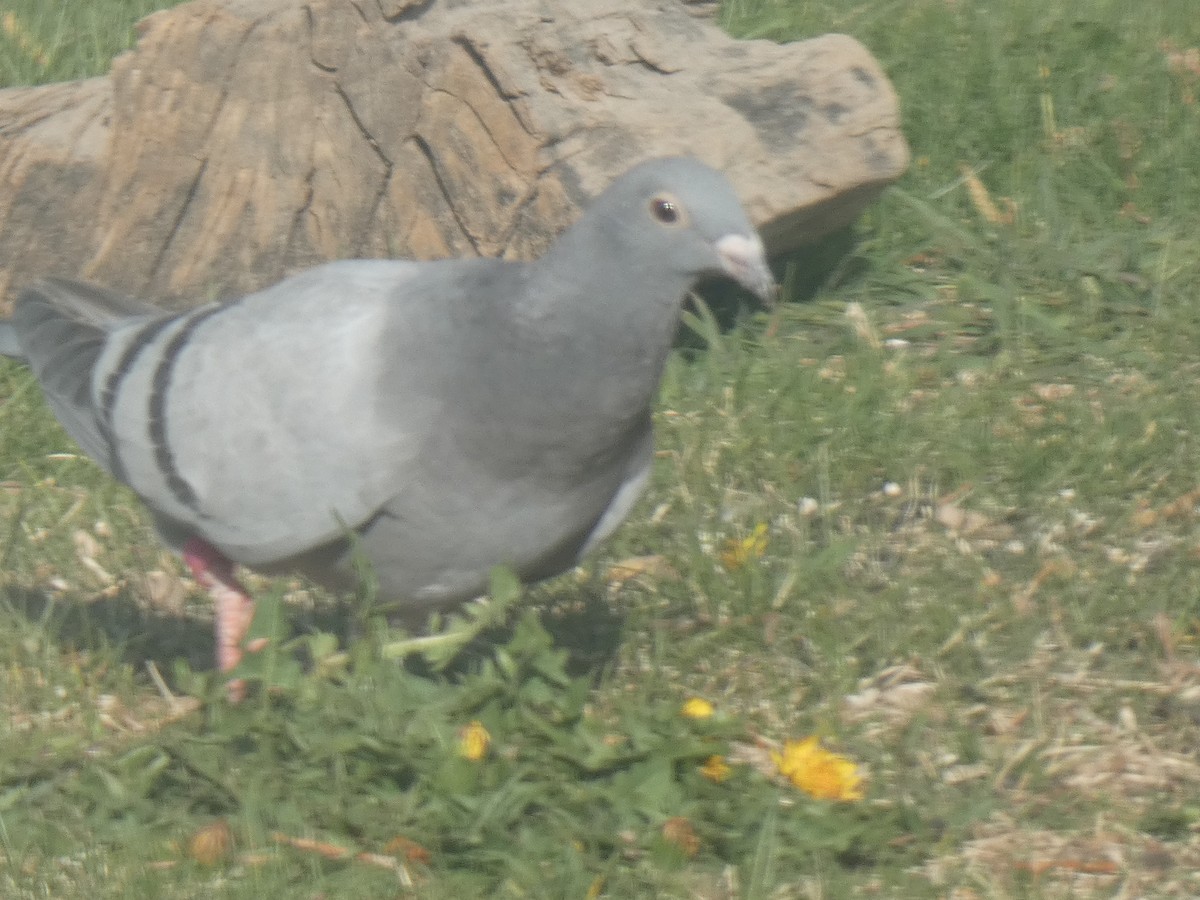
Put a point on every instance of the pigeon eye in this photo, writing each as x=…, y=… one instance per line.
x=666, y=210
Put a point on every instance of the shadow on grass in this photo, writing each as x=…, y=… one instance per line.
x=577, y=617
x=119, y=625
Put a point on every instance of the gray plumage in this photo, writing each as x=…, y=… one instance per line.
x=456, y=415
x=9, y=345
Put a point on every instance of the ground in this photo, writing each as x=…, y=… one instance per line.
x=939, y=512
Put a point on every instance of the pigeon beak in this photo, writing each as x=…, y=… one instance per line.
x=745, y=261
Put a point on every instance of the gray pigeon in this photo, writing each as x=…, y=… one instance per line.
x=455, y=415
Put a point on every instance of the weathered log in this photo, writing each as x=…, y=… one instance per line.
x=243, y=139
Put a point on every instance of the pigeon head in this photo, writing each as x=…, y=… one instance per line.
x=686, y=217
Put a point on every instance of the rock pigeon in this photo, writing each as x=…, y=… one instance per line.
x=453, y=415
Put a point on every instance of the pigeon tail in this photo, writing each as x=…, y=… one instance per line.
x=63, y=327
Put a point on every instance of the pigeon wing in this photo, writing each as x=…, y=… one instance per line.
x=255, y=424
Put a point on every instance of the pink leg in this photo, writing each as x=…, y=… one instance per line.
x=234, y=608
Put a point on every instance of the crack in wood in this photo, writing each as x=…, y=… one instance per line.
x=388, y=165
x=194, y=187
x=447, y=196
x=362, y=127
x=510, y=99
x=648, y=63
x=311, y=24
x=482, y=124
x=15, y=128
x=173, y=231
x=552, y=141
x=376, y=203
x=531, y=194
x=305, y=206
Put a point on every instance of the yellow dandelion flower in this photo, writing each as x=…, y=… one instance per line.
x=817, y=771
x=739, y=551
x=474, y=741
x=697, y=708
x=716, y=769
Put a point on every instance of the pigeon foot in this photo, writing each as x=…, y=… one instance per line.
x=234, y=607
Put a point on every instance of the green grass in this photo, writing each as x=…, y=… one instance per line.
x=56, y=40
x=981, y=579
